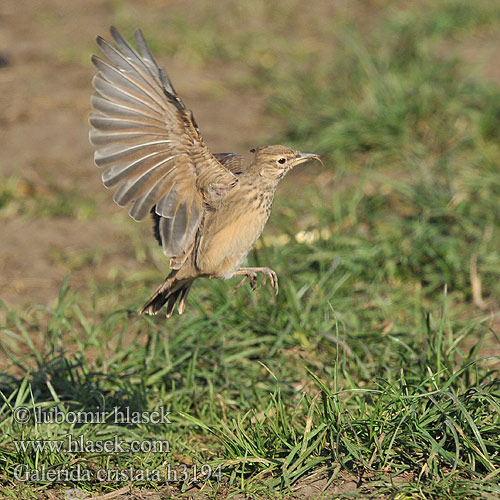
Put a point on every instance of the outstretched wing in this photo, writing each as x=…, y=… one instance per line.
x=149, y=144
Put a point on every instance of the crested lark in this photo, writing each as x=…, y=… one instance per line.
x=208, y=210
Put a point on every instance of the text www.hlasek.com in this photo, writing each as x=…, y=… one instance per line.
x=81, y=445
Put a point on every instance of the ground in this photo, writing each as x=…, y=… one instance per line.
x=375, y=371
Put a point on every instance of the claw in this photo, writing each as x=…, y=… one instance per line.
x=253, y=281
x=251, y=274
x=264, y=281
x=240, y=284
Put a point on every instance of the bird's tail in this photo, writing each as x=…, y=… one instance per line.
x=172, y=291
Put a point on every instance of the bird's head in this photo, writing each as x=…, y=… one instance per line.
x=273, y=162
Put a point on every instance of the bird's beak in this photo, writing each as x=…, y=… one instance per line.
x=303, y=157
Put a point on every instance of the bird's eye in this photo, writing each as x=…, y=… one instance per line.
x=282, y=160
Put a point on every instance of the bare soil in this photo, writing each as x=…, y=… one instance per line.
x=319, y=488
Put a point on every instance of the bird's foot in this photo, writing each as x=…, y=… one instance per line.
x=250, y=273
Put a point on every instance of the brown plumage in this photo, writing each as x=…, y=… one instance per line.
x=208, y=210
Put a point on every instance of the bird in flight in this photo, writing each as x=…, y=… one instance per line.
x=208, y=209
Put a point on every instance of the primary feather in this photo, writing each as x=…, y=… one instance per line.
x=150, y=146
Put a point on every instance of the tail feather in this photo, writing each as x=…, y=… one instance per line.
x=170, y=292
x=183, y=296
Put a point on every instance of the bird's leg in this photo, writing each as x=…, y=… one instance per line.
x=251, y=274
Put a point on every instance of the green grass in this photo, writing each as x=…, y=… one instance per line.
x=20, y=197
x=377, y=362
x=271, y=392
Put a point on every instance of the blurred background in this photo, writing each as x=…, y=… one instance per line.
x=388, y=255
x=400, y=98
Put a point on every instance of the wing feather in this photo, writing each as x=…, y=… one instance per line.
x=118, y=110
x=119, y=171
x=149, y=144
